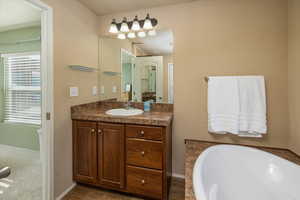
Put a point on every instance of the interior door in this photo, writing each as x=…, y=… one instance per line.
x=159, y=79
x=141, y=63
x=111, y=154
x=84, y=151
x=136, y=81
x=170, y=83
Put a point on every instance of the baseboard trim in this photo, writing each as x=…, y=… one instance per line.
x=64, y=193
x=178, y=176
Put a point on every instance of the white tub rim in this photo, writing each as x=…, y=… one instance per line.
x=205, y=153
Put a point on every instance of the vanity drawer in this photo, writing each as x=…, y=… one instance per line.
x=144, y=153
x=147, y=182
x=144, y=132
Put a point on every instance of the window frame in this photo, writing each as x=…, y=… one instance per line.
x=6, y=87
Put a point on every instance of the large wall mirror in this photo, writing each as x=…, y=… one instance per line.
x=138, y=70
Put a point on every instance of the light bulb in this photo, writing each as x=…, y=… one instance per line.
x=152, y=33
x=141, y=34
x=131, y=35
x=121, y=36
x=148, y=23
x=124, y=26
x=113, y=27
x=135, y=25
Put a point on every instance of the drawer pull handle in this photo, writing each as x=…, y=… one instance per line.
x=143, y=153
x=142, y=133
x=143, y=182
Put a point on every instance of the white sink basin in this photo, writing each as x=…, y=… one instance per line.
x=124, y=112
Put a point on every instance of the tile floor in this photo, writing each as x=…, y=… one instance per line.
x=81, y=192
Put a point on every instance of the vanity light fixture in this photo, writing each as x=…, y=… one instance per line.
x=148, y=24
x=121, y=36
x=152, y=32
x=113, y=27
x=124, y=26
x=134, y=27
x=136, y=24
x=131, y=35
x=141, y=34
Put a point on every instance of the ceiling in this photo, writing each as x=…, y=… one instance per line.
x=17, y=14
x=161, y=44
x=105, y=7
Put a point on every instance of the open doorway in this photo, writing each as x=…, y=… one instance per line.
x=25, y=98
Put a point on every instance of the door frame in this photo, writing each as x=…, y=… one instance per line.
x=158, y=62
x=171, y=83
x=122, y=50
x=47, y=96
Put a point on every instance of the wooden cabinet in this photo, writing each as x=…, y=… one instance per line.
x=128, y=158
x=111, y=152
x=84, y=151
x=144, y=132
x=146, y=182
x=144, y=153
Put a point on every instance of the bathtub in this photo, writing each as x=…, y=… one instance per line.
x=228, y=172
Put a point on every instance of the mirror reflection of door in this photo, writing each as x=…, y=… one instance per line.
x=127, y=61
x=149, y=79
x=136, y=69
x=170, y=83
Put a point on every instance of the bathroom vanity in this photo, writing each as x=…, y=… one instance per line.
x=130, y=154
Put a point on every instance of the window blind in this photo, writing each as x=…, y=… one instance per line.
x=22, y=88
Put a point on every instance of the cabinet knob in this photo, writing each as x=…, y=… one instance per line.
x=93, y=130
x=99, y=131
x=143, y=153
x=142, y=133
x=143, y=182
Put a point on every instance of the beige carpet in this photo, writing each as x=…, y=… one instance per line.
x=25, y=181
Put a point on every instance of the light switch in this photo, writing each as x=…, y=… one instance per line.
x=74, y=91
x=94, y=91
x=102, y=90
x=114, y=89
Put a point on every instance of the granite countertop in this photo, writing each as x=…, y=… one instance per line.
x=96, y=112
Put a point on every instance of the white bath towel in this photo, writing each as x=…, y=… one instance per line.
x=237, y=105
x=223, y=105
x=252, y=97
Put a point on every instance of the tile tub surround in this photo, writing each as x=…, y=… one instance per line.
x=193, y=148
x=160, y=114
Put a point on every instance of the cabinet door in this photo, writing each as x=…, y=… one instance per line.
x=84, y=151
x=111, y=157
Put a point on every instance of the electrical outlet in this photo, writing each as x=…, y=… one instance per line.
x=102, y=90
x=114, y=89
x=94, y=91
x=74, y=92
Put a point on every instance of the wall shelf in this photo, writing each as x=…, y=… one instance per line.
x=82, y=68
x=111, y=73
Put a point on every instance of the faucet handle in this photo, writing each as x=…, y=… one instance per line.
x=127, y=104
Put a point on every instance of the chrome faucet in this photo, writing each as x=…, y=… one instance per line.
x=128, y=105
